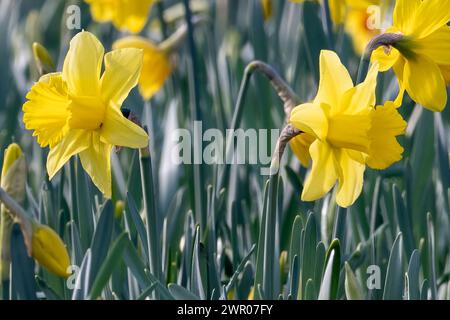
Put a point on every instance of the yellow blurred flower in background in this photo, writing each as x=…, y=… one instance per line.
x=357, y=25
x=267, y=9
x=346, y=132
x=130, y=15
x=156, y=67
x=421, y=59
x=77, y=111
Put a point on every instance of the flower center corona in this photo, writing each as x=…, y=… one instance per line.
x=86, y=113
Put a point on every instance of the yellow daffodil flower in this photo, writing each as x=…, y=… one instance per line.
x=347, y=132
x=77, y=111
x=49, y=250
x=156, y=67
x=129, y=15
x=421, y=59
x=340, y=8
x=267, y=9
x=357, y=25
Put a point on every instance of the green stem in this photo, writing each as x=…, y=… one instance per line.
x=152, y=221
x=328, y=23
x=283, y=90
x=195, y=116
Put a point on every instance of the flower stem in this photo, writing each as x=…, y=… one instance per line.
x=152, y=221
x=283, y=90
x=327, y=23
x=195, y=116
x=19, y=213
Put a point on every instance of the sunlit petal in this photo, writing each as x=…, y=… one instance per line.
x=82, y=66
x=119, y=131
x=122, y=70
x=74, y=142
x=425, y=84
x=323, y=174
x=96, y=160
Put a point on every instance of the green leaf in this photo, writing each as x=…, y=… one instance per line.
x=393, y=286
x=107, y=267
x=330, y=280
x=181, y=293
x=353, y=289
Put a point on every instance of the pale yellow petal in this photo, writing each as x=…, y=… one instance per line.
x=360, y=98
x=387, y=124
x=399, y=68
x=119, y=131
x=425, y=84
x=96, y=160
x=334, y=79
x=122, y=71
x=101, y=10
x=405, y=13
x=73, y=143
x=82, y=66
x=351, y=179
x=46, y=111
x=431, y=16
x=386, y=57
x=436, y=46
x=310, y=118
x=323, y=174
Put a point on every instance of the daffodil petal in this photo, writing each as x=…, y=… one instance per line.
x=387, y=124
x=300, y=146
x=334, y=79
x=385, y=57
x=82, y=66
x=132, y=15
x=360, y=98
x=46, y=111
x=96, y=161
x=310, y=118
x=404, y=15
x=425, y=84
x=351, y=178
x=446, y=73
x=436, y=46
x=102, y=11
x=74, y=142
x=399, y=68
x=122, y=70
x=431, y=15
x=323, y=174
x=119, y=131
x=49, y=250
